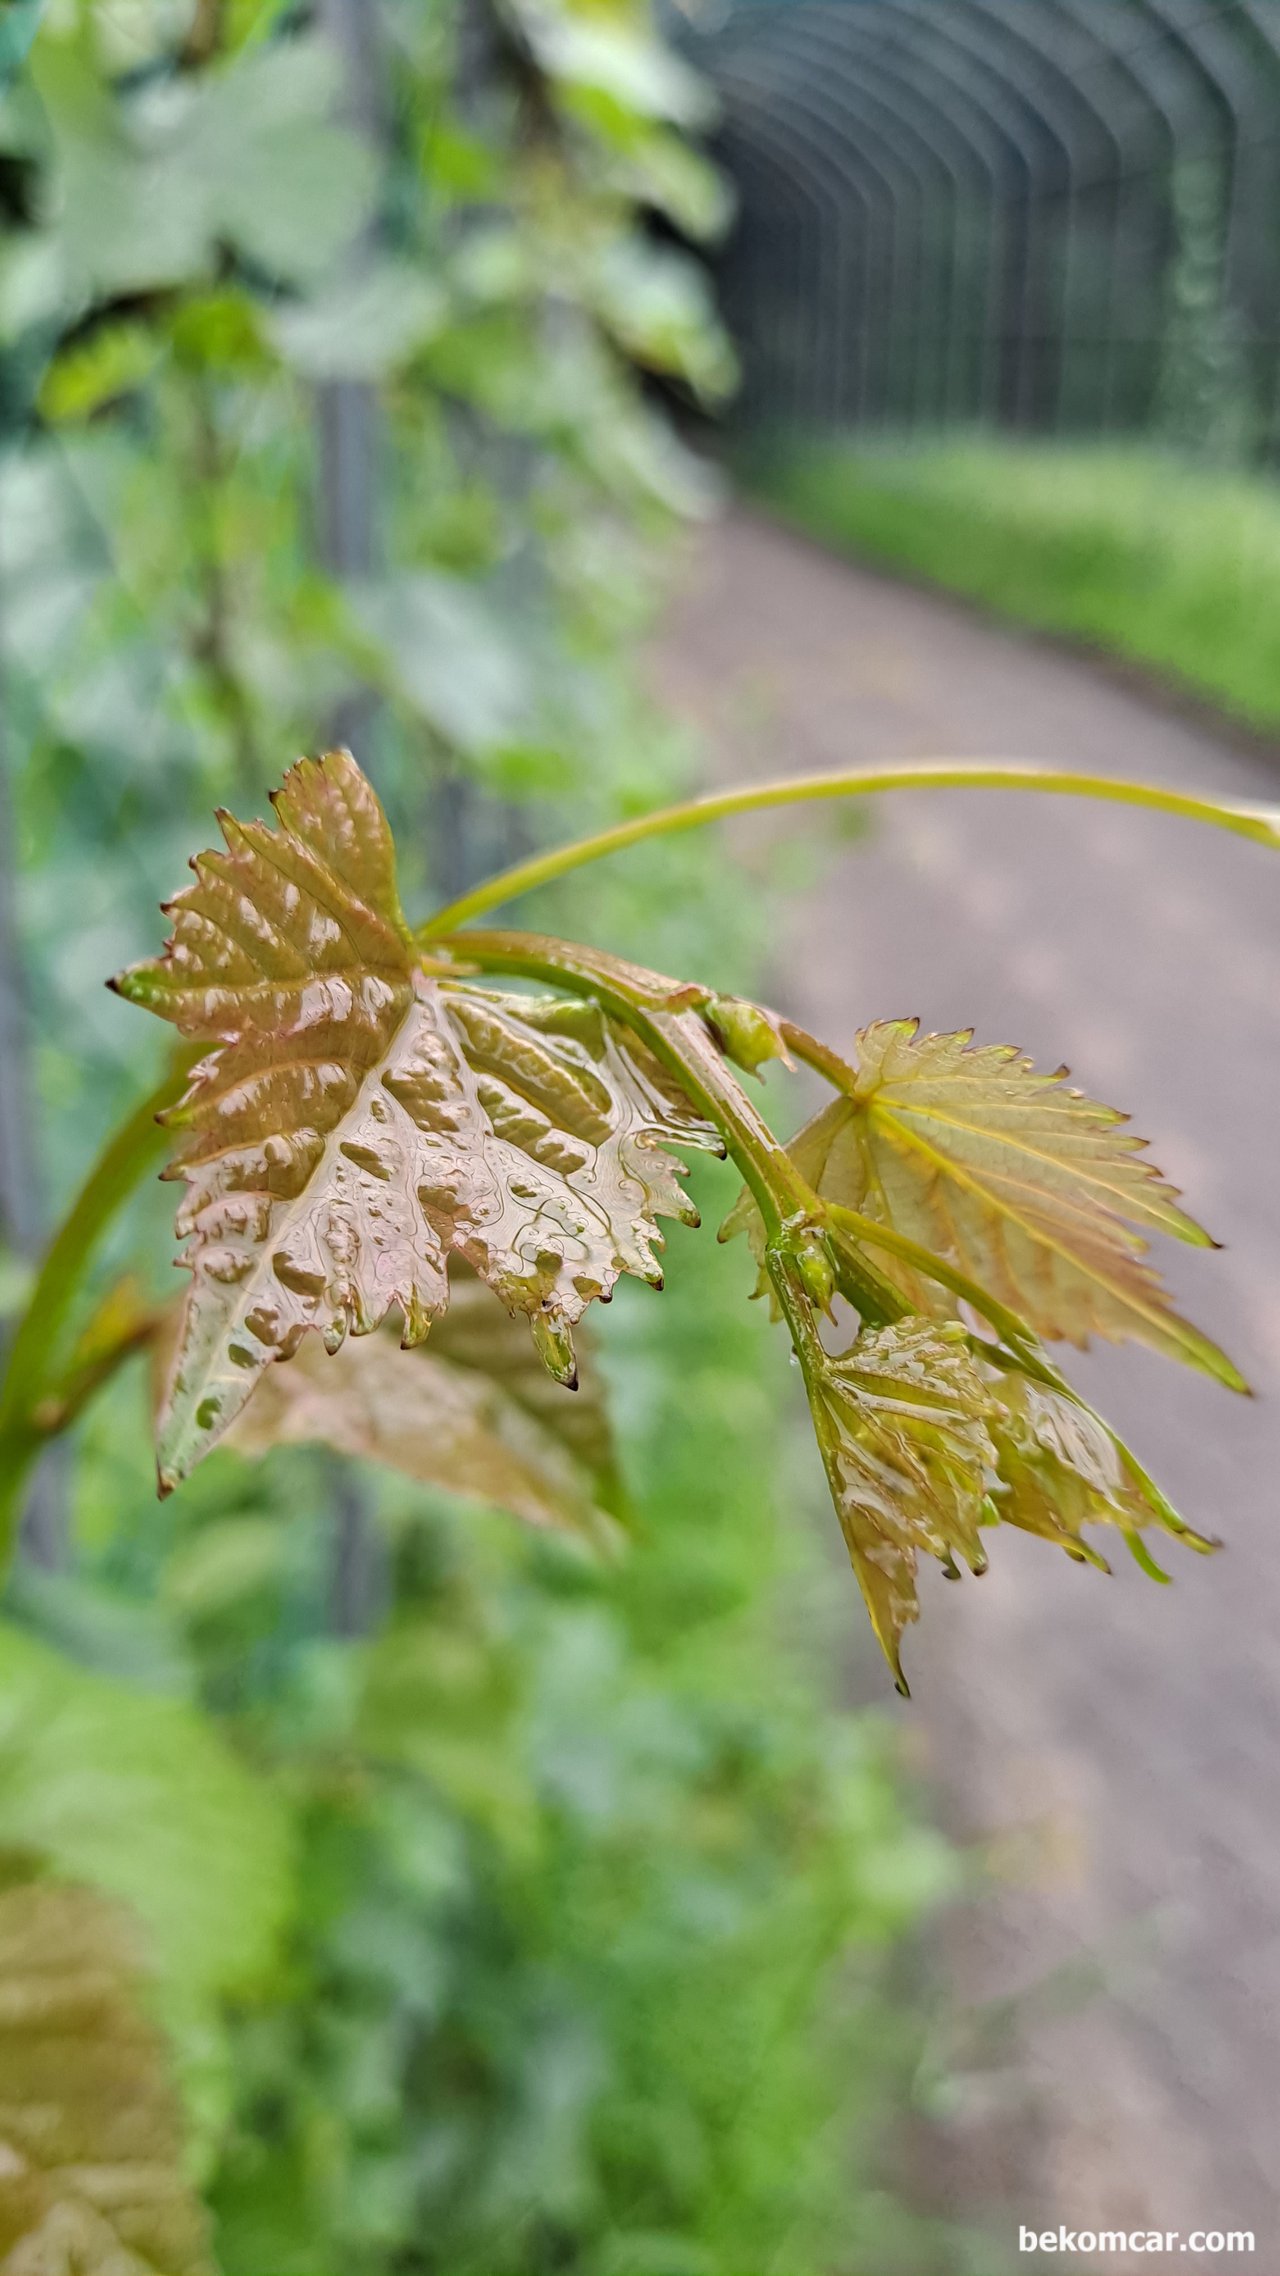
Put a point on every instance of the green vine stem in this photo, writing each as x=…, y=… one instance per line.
x=1260, y=823
x=124, y=1161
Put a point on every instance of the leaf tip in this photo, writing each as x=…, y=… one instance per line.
x=1143, y=1558
x=130, y=984
x=553, y=1340
x=1088, y=1556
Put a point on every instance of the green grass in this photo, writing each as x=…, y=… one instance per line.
x=1171, y=565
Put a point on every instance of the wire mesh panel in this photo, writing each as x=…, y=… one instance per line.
x=1054, y=215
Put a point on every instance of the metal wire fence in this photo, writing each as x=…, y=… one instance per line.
x=1054, y=215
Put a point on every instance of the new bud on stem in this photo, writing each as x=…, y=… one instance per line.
x=816, y=1271
x=745, y=1033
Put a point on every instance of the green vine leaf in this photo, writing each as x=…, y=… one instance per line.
x=474, y=1412
x=1032, y=1190
x=925, y=1441
x=91, y=2144
x=359, y=1119
x=903, y=1422
x=1060, y=1469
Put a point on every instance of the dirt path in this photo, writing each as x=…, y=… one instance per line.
x=1122, y=1740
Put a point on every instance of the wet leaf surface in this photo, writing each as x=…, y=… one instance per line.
x=359, y=1120
x=903, y=1423
x=1060, y=1470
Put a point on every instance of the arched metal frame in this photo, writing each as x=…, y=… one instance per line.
x=985, y=195
x=899, y=169
x=977, y=158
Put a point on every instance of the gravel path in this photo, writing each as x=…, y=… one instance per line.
x=1117, y=1744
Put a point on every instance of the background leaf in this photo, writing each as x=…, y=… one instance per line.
x=91, y=2176
x=247, y=154
x=474, y=1412
x=136, y=1795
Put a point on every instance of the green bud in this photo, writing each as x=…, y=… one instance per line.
x=744, y=1033
x=816, y=1271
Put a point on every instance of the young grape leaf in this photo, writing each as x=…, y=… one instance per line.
x=1060, y=1470
x=358, y=1119
x=474, y=1411
x=1035, y=1192
x=91, y=2174
x=903, y=1421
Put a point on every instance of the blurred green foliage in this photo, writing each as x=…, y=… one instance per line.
x=207, y=250
x=547, y=1924
x=596, y=1896
x=1167, y=561
x=17, y=30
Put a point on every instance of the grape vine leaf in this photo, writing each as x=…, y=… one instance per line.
x=91, y=2141
x=925, y=1443
x=903, y=1420
x=474, y=1412
x=137, y=1796
x=1060, y=1469
x=1034, y=1191
x=358, y=1119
